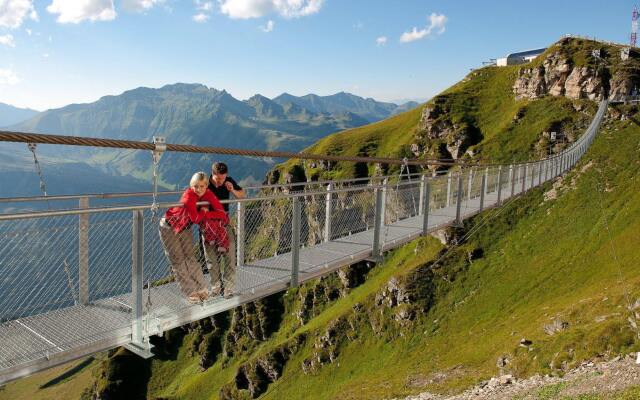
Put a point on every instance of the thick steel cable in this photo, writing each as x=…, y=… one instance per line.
x=24, y=137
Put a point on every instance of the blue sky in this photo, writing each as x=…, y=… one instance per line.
x=57, y=52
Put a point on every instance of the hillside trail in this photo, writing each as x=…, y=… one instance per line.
x=590, y=378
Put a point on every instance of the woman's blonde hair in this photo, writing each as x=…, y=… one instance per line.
x=197, y=177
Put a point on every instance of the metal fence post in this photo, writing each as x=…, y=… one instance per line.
x=540, y=164
x=459, y=201
x=377, y=224
x=385, y=185
x=424, y=207
x=83, y=252
x=499, y=185
x=546, y=170
x=240, y=236
x=486, y=177
x=512, y=178
x=448, y=189
x=469, y=184
x=327, y=213
x=295, y=242
x=524, y=177
x=482, y=191
x=421, y=201
x=137, y=273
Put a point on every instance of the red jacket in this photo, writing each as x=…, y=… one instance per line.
x=181, y=218
x=215, y=233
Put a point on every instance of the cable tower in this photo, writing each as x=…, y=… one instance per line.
x=634, y=27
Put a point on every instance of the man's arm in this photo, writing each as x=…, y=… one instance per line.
x=235, y=189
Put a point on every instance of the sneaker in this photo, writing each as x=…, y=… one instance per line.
x=228, y=293
x=215, y=291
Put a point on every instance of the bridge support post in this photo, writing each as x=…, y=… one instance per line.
x=421, y=201
x=546, y=170
x=512, y=179
x=459, y=201
x=424, y=204
x=83, y=253
x=377, y=224
x=482, y=191
x=241, y=234
x=448, y=189
x=295, y=242
x=327, y=213
x=470, y=183
x=139, y=344
x=383, y=212
x=499, y=185
x=486, y=177
x=540, y=164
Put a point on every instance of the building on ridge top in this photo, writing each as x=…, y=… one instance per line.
x=519, y=57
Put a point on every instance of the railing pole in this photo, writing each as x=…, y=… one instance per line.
x=240, y=236
x=295, y=242
x=385, y=185
x=459, y=201
x=540, y=164
x=470, y=184
x=137, y=274
x=546, y=170
x=83, y=253
x=425, y=204
x=421, y=201
x=482, y=191
x=448, y=189
x=512, y=178
x=499, y=185
x=377, y=224
x=524, y=177
x=327, y=213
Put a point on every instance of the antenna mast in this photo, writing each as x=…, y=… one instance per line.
x=634, y=27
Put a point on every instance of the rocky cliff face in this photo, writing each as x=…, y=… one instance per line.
x=583, y=77
x=558, y=77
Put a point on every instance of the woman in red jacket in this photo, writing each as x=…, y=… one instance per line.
x=177, y=240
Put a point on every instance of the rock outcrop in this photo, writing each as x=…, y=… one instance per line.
x=593, y=79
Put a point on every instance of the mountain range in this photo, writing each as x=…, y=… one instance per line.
x=10, y=115
x=198, y=115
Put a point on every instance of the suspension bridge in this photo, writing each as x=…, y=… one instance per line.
x=79, y=281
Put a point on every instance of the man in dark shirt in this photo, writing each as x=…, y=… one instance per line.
x=222, y=186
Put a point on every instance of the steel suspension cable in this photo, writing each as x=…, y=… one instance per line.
x=24, y=137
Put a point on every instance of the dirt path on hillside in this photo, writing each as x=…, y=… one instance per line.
x=589, y=378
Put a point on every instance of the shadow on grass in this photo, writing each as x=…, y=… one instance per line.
x=68, y=373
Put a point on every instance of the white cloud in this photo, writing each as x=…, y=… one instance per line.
x=204, y=5
x=8, y=77
x=381, y=41
x=436, y=24
x=200, y=17
x=14, y=12
x=29, y=31
x=7, y=40
x=267, y=28
x=244, y=9
x=139, y=5
x=76, y=11
x=45, y=55
x=203, y=9
x=358, y=26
